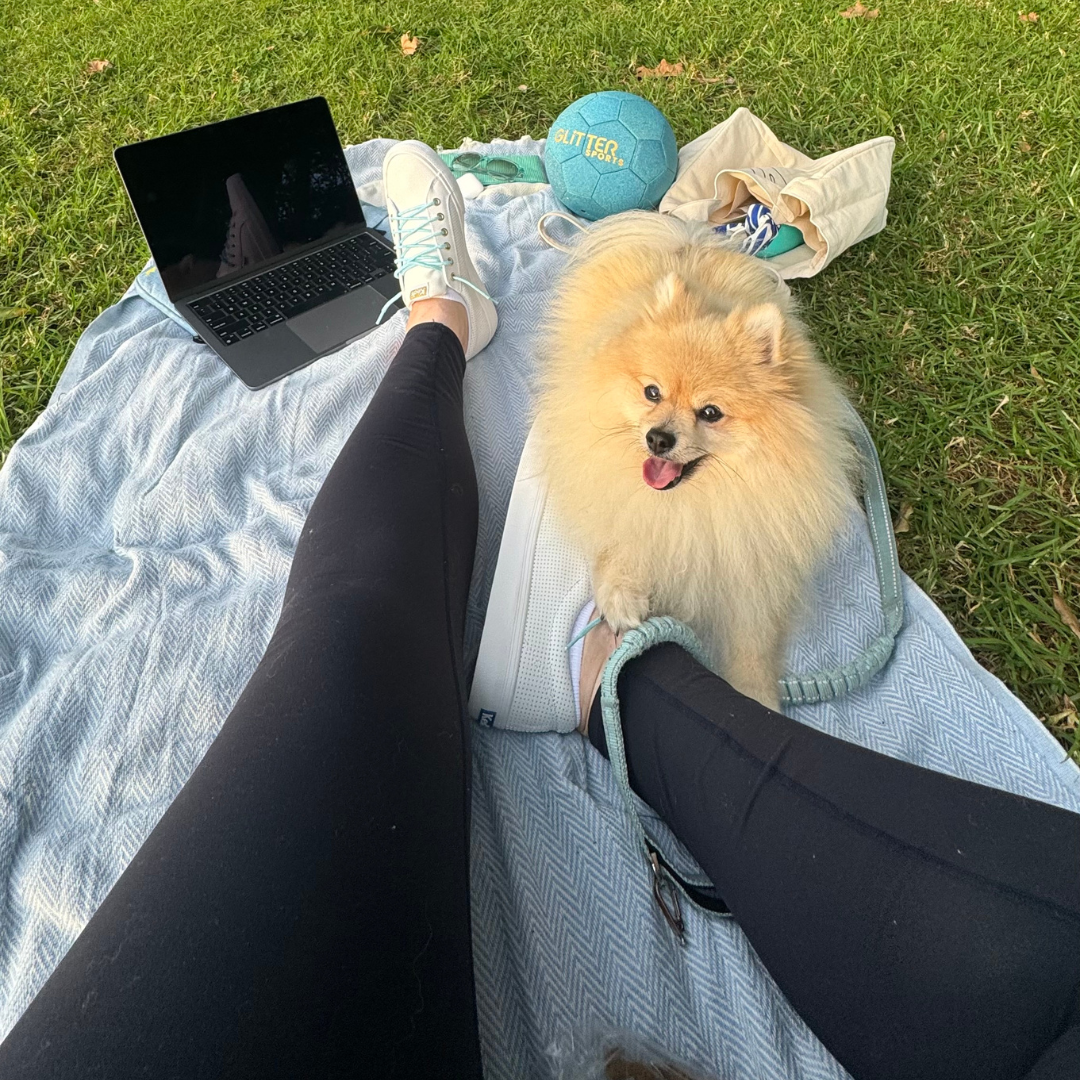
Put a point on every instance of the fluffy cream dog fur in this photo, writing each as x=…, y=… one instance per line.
x=693, y=443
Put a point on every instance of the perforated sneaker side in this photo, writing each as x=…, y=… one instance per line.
x=523, y=680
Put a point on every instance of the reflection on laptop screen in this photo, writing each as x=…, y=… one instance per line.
x=229, y=197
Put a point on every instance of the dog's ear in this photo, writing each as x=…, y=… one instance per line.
x=669, y=291
x=763, y=327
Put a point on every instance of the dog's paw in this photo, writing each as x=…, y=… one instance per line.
x=622, y=609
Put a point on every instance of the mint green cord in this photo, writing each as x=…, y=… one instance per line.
x=584, y=630
x=653, y=631
x=418, y=243
x=829, y=684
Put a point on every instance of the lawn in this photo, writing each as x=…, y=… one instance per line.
x=956, y=328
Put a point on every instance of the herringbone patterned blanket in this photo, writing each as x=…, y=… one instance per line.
x=147, y=521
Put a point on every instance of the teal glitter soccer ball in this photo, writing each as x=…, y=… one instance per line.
x=608, y=152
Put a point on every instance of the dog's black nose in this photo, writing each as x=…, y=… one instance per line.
x=660, y=441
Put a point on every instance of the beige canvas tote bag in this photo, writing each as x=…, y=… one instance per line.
x=835, y=201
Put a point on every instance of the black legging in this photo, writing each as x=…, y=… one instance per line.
x=924, y=927
x=302, y=907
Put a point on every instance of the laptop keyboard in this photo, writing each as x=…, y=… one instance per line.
x=279, y=294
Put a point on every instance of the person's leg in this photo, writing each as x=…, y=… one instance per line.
x=921, y=925
x=302, y=907
x=1062, y=1060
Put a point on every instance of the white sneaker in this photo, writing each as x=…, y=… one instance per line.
x=541, y=598
x=427, y=222
x=249, y=239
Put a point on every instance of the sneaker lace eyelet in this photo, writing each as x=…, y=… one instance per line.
x=437, y=202
x=449, y=262
x=445, y=233
x=439, y=216
x=446, y=247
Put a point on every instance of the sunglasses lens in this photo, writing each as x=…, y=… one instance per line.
x=468, y=161
x=501, y=167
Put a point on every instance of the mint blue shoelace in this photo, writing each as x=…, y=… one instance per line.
x=419, y=244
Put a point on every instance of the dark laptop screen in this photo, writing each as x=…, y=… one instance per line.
x=218, y=200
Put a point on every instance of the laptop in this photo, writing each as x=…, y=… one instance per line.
x=259, y=238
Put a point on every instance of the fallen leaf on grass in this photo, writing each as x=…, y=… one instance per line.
x=1030, y=17
x=1024, y=146
x=409, y=45
x=902, y=524
x=1068, y=718
x=727, y=80
x=523, y=88
x=857, y=11
x=15, y=312
x=663, y=70
x=1066, y=613
x=95, y=67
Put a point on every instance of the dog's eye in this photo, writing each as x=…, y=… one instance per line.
x=652, y=392
x=710, y=414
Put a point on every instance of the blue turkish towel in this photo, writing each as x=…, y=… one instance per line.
x=147, y=522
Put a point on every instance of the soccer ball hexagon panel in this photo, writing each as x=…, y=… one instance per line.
x=608, y=152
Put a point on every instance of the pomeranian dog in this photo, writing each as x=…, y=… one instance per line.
x=693, y=444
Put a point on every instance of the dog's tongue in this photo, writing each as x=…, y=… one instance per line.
x=659, y=472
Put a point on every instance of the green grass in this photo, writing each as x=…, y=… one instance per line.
x=956, y=328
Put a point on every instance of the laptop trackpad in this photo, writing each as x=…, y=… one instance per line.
x=339, y=321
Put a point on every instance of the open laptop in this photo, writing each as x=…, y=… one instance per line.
x=259, y=238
